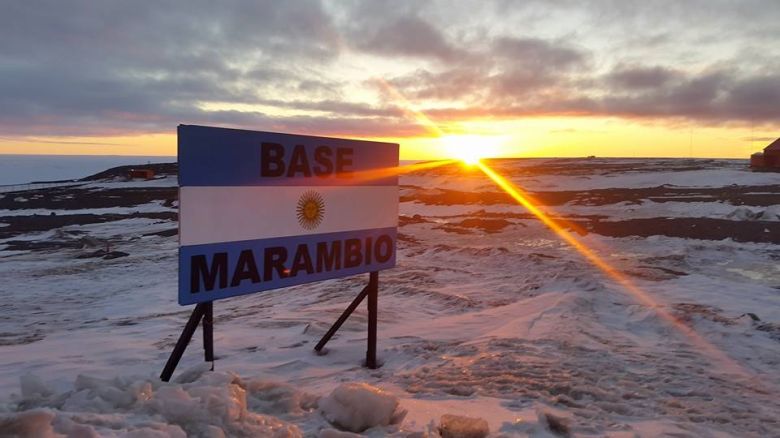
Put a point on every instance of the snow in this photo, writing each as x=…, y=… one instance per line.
x=743, y=213
x=214, y=405
x=512, y=327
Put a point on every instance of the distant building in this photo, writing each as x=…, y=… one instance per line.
x=140, y=174
x=767, y=160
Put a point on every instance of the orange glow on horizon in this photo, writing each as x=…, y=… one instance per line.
x=527, y=138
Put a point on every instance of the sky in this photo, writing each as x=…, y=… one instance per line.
x=511, y=78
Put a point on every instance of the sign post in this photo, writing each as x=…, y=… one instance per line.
x=372, y=291
x=202, y=311
x=261, y=211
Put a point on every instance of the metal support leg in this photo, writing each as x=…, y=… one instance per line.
x=208, y=332
x=181, y=344
x=373, y=299
x=356, y=302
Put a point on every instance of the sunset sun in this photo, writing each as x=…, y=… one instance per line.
x=470, y=149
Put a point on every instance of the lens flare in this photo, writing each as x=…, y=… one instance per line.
x=641, y=296
x=366, y=176
x=559, y=227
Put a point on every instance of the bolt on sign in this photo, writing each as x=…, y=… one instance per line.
x=261, y=210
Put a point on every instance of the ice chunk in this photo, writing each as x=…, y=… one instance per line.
x=456, y=426
x=358, y=406
x=193, y=373
x=33, y=386
x=213, y=406
x=35, y=423
x=106, y=390
x=278, y=398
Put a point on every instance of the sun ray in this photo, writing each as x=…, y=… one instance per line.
x=366, y=176
x=641, y=296
x=410, y=110
x=558, y=227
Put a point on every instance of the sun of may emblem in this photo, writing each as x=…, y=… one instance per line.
x=310, y=210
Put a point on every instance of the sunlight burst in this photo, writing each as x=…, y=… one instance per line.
x=470, y=149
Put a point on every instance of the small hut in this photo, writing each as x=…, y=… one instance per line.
x=757, y=160
x=140, y=174
x=767, y=160
x=772, y=154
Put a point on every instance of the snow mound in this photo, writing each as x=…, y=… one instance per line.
x=213, y=405
x=456, y=426
x=359, y=406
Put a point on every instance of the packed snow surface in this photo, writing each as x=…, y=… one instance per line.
x=489, y=322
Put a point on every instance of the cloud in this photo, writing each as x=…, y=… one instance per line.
x=503, y=70
x=459, y=83
x=87, y=68
x=537, y=54
x=719, y=96
x=409, y=36
x=529, y=67
x=711, y=98
x=769, y=139
x=757, y=97
x=641, y=77
x=115, y=67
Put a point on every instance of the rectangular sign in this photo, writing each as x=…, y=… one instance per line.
x=261, y=210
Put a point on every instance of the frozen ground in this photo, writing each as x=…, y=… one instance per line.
x=487, y=315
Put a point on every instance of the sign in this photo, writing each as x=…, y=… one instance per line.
x=261, y=210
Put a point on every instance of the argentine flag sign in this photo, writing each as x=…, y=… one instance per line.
x=261, y=210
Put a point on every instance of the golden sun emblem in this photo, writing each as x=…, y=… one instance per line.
x=310, y=210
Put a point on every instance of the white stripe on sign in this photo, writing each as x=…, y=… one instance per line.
x=231, y=214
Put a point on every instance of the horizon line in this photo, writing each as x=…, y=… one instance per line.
x=420, y=159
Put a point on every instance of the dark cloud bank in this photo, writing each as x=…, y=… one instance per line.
x=98, y=68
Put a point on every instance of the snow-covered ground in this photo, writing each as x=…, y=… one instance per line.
x=507, y=324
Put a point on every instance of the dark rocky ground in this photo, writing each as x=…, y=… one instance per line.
x=735, y=195
x=80, y=197
x=77, y=198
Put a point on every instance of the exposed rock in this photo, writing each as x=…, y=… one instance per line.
x=93, y=254
x=456, y=426
x=555, y=424
x=101, y=253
